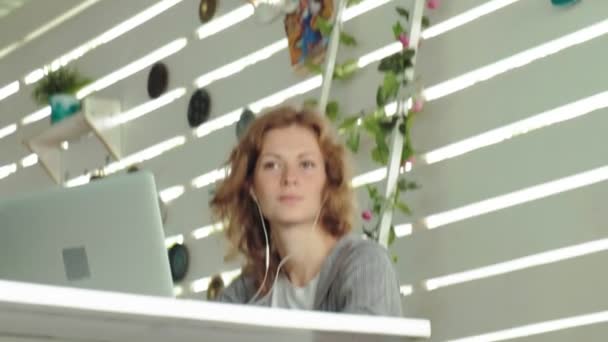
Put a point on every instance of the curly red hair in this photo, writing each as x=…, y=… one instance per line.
x=233, y=205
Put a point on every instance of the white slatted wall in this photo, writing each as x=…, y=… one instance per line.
x=516, y=190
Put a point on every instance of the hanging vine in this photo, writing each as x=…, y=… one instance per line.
x=377, y=125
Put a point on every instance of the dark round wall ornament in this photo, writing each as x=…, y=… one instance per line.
x=245, y=120
x=206, y=10
x=199, y=108
x=158, y=80
x=179, y=261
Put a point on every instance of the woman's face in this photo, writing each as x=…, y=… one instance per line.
x=290, y=176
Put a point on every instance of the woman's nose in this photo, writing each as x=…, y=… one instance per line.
x=289, y=176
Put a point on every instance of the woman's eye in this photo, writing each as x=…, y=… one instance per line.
x=270, y=165
x=307, y=164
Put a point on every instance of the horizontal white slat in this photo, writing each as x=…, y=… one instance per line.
x=80, y=29
x=555, y=222
x=150, y=36
x=521, y=162
x=190, y=211
x=549, y=292
x=134, y=90
x=470, y=46
x=182, y=21
x=529, y=90
x=248, y=84
x=30, y=179
x=595, y=332
x=27, y=19
x=429, y=174
x=206, y=258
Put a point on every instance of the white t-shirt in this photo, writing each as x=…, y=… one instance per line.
x=287, y=296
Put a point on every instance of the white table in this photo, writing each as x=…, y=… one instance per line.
x=32, y=312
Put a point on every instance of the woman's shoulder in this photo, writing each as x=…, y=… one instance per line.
x=238, y=291
x=356, y=246
x=363, y=278
x=353, y=250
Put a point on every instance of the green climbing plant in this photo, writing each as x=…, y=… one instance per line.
x=376, y=125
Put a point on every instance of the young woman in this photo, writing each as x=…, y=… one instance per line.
x=288, y=205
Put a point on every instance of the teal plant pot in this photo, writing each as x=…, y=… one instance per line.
x=63, y=106
x=564, y=2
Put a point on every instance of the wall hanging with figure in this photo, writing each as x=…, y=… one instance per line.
x=306, y=43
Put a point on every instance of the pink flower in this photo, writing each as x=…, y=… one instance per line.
x=408, y=164
x=366, y=215
x=405, y=40
x=432, y=4
x=418, y=105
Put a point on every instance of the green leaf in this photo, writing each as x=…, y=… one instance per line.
x=346, y=69
x=392, y=236
x=413, y=186
x=390, y=86
x=63, y=80
x=347, y=39
x=379, y=157
x=372, y=191
x=388, y=90
x=370, y=124
x=406, y=152
x=395, y=259
x=381, y=152
x=381, y=143
x=379, y=113
x=425, y=22
x=390, y=63
x=348, y=123
x=324, y=26
x=352, y=142
x=312, y=67
x=398, y=62
x=403, y=12
x=387, y=124
x=332, y=111
x=353, y=2
x=398, y=30
x=380, y=98
x=402, y=184
x=350, y=67
x=390, y=83
x=403, y=207
x=377, y=208
x=408, y=54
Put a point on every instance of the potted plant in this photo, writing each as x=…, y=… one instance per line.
x=58, y=89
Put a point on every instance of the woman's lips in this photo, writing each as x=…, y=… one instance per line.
x=289, y=198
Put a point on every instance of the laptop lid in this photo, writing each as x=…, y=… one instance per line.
x=105, y=235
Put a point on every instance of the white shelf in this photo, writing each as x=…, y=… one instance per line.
x=42, y=313
x=96, y=117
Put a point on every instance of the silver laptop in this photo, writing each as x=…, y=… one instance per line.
x=106, y=235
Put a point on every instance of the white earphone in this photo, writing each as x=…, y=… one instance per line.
x=267, y=262
x=252, y=194
x=255, y=199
